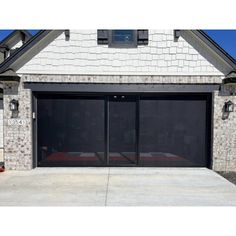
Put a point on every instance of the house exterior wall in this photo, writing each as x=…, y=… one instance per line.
x=81, y=60
x=18, y=142
x=1, y=131
x=224, y=135
x=82, y=55
x=17, y=131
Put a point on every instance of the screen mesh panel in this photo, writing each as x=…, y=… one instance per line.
x=168, y=130
x=71, y=130
x=172, y=132
x=122, y=132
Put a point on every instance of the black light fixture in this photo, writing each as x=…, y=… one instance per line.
x=14, y=104
x=227, y=109
x=14, y=108
x=229, y=106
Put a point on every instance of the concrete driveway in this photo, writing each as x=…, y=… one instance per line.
x=116, y=187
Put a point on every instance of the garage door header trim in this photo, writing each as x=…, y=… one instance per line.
x=120, y=88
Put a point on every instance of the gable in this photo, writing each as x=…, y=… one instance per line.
x=162, y=56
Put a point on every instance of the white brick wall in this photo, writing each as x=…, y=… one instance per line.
x=82, y=55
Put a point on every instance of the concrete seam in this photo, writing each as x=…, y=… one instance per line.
x=108, y=178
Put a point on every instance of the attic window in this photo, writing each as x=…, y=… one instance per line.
x=122, y=38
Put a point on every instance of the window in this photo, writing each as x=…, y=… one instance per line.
x=122, y=38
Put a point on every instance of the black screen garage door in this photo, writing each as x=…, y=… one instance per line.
x=123, y=130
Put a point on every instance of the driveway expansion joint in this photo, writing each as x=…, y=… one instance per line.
x=108, y=178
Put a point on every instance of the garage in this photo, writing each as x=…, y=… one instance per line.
x=123, y=129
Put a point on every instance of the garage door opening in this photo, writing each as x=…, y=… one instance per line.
x=168, y=130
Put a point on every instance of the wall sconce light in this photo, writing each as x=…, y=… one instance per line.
x=14, y=104
x=227, y=108
x=14, y=108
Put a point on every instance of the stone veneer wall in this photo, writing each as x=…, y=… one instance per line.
x=18, y=131
x=224, y=135
x=135, y=79
x=1, y=131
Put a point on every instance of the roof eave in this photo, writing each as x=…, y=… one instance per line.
x=215, y=47
x=9, y=76
x=24, y=49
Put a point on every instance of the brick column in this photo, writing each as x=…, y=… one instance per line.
x=17, y=131
x=224, y=135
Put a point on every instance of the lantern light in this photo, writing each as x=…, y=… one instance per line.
x=229, y=106
x=14, y=104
